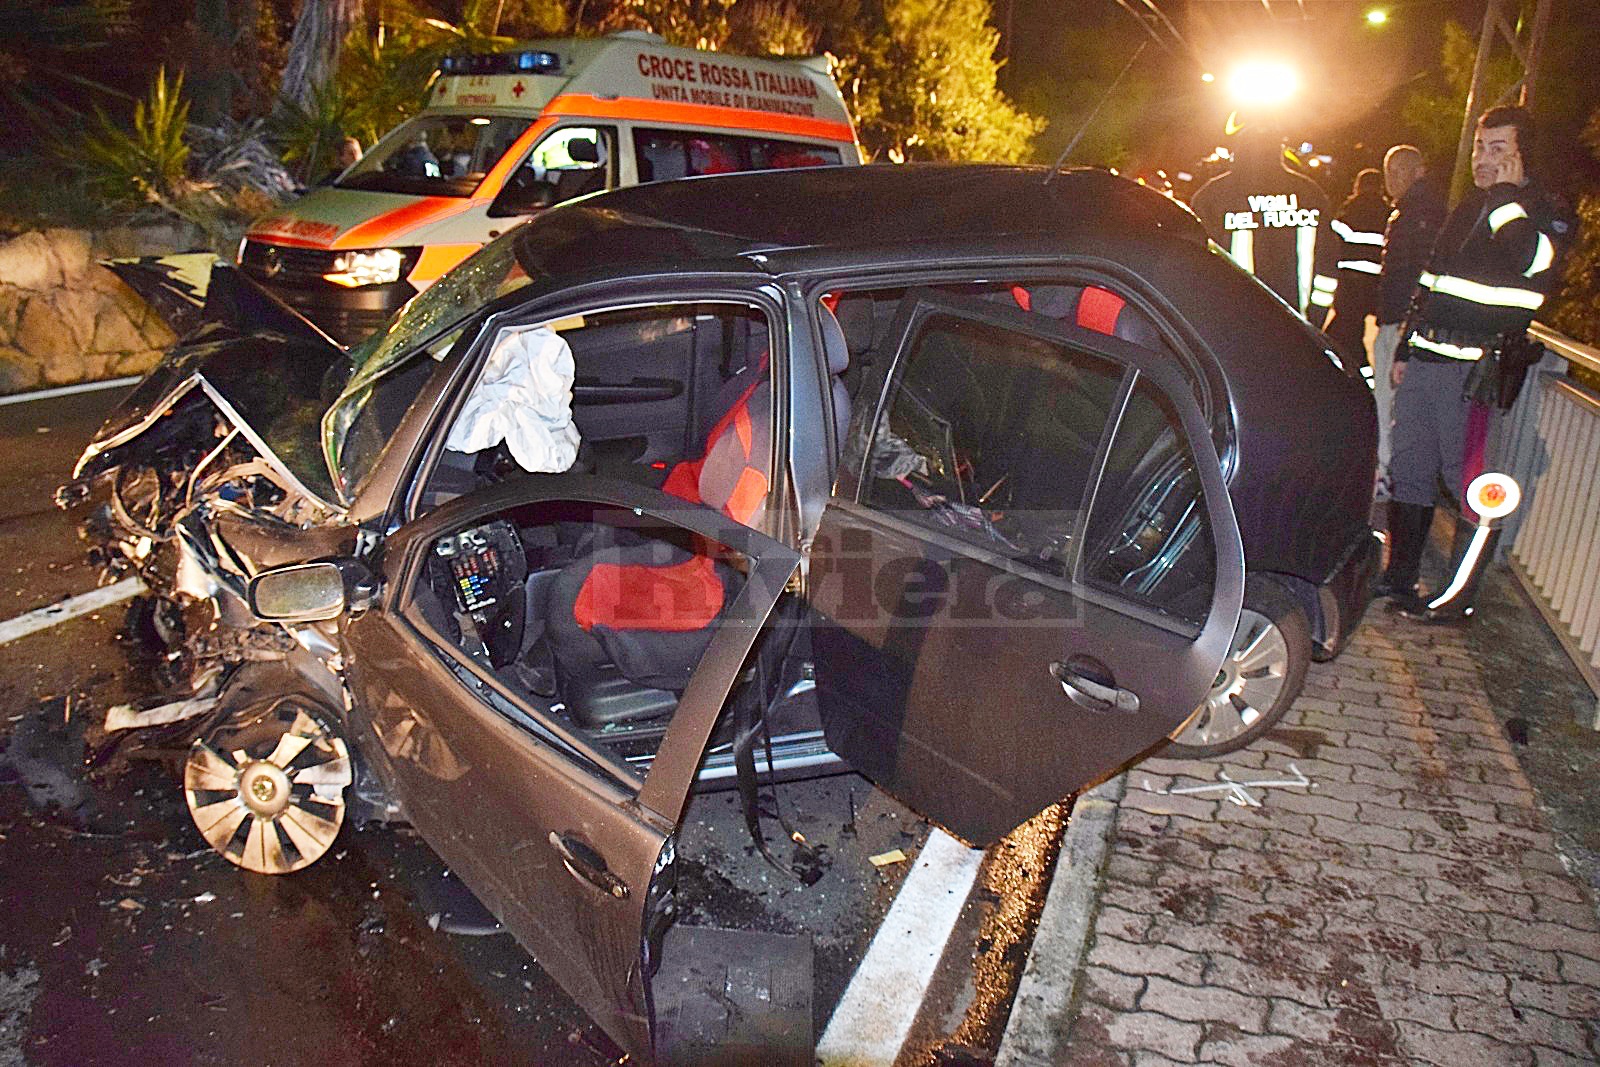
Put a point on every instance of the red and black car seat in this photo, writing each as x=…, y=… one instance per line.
x=643, y=608
x=1090, y=307
x=643, y=611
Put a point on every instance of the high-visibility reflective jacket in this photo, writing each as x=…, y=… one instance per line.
x=1496, y=261
x=1274, y=222
x=1358, y=228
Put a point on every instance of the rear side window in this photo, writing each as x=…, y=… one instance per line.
x=1148, y=537
x=664, y=155
x=990, y=436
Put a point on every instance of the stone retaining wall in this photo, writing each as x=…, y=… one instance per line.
x=65, y=319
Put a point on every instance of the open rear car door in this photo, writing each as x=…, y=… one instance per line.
x=559, y=835
x=1029, y=572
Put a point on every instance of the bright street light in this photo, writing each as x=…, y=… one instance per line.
x=1377, y=17
x=1263, y=82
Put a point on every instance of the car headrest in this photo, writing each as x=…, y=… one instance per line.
x=855, y=315
x=834, y=345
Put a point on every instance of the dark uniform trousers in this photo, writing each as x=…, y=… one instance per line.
x=1430, y=431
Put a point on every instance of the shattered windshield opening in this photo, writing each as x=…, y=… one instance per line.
x=431, y=322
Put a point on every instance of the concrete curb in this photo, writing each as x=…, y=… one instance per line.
x=1035, y=1034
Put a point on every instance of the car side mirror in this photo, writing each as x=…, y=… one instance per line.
x=311, y=592
x=522, y=198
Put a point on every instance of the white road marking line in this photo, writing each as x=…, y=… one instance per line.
x=875, y=1014
x=70, y=608
x=68, y=390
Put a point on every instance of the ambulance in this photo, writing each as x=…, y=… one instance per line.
x=507, y=134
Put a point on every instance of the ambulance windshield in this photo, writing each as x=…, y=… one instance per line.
x=435, y=155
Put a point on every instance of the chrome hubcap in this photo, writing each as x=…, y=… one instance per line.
x=269, y=796
x=1246, y=688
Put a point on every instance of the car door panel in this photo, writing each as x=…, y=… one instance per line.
x=977, y=687
x=559, y=849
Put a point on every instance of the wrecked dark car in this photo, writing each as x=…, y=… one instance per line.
x=981, y=481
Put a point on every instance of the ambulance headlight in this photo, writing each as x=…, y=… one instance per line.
x=377, y=266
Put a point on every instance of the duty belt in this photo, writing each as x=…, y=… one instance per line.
x=1460, y=345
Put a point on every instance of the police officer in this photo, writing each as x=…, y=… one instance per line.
x=1492, y=268
x=1272, y=220
x=1408, y=237
x=1359, y=229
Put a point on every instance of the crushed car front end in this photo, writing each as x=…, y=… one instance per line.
x=209, y=471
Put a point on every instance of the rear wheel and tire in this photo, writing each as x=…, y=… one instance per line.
x=1260, y=678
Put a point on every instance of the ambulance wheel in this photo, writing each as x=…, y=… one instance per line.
x=267, y=789
x=1260, y=678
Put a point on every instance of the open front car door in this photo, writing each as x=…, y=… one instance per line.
x=1029, y=572
x=537, y=742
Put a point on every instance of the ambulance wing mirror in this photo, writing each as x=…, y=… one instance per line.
x=523, y=195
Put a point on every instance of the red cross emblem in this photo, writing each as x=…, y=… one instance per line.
x=518, y=89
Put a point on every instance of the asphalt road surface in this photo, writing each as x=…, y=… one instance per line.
x=124, y=940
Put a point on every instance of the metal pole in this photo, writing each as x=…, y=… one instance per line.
x=1459, y=176
x=1541, y=22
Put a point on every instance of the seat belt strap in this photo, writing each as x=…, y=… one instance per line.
x=752, y=716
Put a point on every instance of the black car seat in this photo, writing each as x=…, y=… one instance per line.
x=578, y=182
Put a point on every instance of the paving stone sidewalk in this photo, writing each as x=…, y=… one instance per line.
x=1409, y=908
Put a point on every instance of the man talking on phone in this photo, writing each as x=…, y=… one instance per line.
x=1495, y=262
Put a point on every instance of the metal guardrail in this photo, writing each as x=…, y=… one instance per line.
x=1550, y=443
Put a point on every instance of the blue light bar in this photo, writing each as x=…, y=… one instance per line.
x=539, y=62
x=502, y=63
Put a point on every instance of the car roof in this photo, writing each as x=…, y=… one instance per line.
x=791, y=220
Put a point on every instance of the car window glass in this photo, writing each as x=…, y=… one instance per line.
x=663, y=155
x=367, y=414
x=676, y=396
x=991, y=435
x=583, y=622
x=785, y=155
x=1148, y=537
x=573, y=160
x=435, y=155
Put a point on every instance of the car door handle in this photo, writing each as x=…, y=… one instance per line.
x=1092, y=694
x=587, y=865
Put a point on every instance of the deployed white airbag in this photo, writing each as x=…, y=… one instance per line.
x=524, y=398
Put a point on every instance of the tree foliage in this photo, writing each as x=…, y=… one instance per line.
x=920, y=78
x=46, y=54
x=1577, y=306
x=144, y=170
x=380, y=82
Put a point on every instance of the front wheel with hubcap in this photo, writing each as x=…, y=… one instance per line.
x=1261, y=676
x=266, y=789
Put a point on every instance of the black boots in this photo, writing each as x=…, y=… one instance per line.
x=1471, y=551
x=1408, y=534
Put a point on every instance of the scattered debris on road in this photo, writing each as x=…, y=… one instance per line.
x=127, y=717
x=1237, y=792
